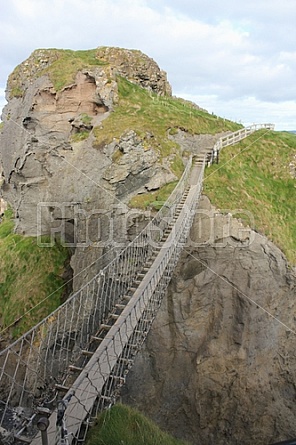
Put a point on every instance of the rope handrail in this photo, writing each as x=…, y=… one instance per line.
x=159, y=218
x=90, y=383
x=42, y=355
x=48, y=356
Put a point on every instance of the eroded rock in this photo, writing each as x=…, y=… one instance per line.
x=219, y=364
x=52, y=174
x=137, y=67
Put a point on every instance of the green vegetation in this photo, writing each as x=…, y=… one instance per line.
x=117, y=155
x=153, y=200
x=152, y=117
x=62, y=67
x=85, y=119
x=122, y=425
x=62, y=72
x=254, y=175
x=177, y=165
x=80, y=136
x=28, y=275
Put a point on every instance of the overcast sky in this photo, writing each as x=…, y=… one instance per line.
x=236, y=58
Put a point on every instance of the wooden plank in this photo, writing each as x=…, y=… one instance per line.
x=92, y=379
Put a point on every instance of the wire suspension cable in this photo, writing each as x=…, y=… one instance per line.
x=84, y=349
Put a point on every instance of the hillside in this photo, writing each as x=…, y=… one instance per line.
x=255, y=180
x=259, y=180
x=91, y=145
x=86, y=131
x=30, y=277
x=218, y=365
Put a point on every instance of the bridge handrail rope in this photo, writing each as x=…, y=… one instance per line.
x=41, y=357
x=89, y=384
x=99, y=329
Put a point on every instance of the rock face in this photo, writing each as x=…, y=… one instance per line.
x=194, y=143
x=219, y=364
x=137, y=67
x=53, y=176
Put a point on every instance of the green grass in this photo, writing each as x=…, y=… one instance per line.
x=62, y=68
x=122, y=425
x=28, y=274
x=80, y=136
x=85, y=119
x=117, y=155
x=177, y=165
x=254, y=175
x=152, y=117
x=63, y=71
x=153, y=200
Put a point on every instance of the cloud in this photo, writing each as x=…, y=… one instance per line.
x=249, y=110
x=232, y=50
x=2, y=99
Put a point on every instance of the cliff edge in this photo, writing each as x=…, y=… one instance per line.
x=219, y=365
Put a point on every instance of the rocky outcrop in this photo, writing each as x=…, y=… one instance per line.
x=195, y=143
x=137, y=67
x=219, y=364
x=134, y=167
x=56, y=179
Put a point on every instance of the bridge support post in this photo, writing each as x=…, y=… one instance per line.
x=42, y=425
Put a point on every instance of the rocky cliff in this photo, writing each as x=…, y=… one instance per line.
x=219, y=365
x=53, y=175
x=78, y=142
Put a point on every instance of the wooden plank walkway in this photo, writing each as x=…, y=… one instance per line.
x=89, y=384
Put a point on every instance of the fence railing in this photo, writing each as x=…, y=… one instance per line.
x=40, y=363
x=235, y=137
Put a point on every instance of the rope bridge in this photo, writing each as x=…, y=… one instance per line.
x=72, y=364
